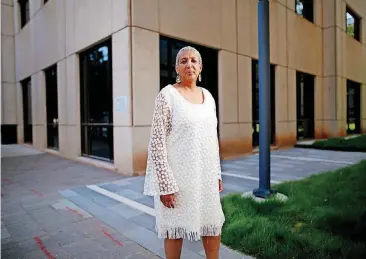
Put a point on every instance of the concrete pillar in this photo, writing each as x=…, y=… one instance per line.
x=334, y=95
x=145, y=87
x=122, y=101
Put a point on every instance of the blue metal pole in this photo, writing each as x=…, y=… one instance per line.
x=264, y=101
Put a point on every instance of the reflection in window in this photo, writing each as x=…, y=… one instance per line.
x=305, y=105
x=353, y=107
x=24, y=12
x=305, y=8
x=96, y=96
x=352, y=24
x=27, y=110
x=52, y=107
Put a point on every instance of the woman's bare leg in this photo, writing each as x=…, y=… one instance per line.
x=212, y=246
x=173, y=248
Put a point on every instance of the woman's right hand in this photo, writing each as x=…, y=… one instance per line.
x=168, y=200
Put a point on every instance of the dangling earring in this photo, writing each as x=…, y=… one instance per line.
x=199, y=78
x=178, y=79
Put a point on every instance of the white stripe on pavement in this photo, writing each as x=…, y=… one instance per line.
x=246, y=177
x=128, y=202
x=312, y=159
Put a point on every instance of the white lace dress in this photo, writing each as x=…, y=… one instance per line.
x=183, y=158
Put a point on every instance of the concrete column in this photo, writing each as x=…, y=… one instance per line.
x=235, y=137
x=7, y=67
x=122, y=101
x=363, y=108
x=145, y=87
x=291, y=107
x=285, y=132
x=334, y=94
x=19, y=113
x=318, y=102
x=38, y=93
x=244, y=140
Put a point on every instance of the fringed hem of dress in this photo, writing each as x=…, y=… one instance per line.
x=178, y=233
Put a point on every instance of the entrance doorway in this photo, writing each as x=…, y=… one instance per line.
x=27, y=110
x=96, y=102
x=52, y=107
x=255, y=104
x=353, y=107
x=168, y=51
x=305, y=106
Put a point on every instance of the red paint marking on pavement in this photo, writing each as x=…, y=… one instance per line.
x=5, y=180
x=37, y=193
x=74, y=211
x=112, y=238
x=43, y=248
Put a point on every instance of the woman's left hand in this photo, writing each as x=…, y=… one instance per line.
x=221, y=186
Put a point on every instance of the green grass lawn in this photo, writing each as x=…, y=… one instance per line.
x=324, y=217
x=341, y=144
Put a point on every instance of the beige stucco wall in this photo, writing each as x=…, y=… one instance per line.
x=56, y=33
x=59, y=30
x=231, y=27
x=343, y=58
x=8, y=85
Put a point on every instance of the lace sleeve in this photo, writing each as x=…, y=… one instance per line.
x=159, y=176
x=218, y=160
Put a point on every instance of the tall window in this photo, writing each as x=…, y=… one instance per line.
x=305, y=8
x=52, y=107
x=305, y=105
x=255, y=104
x=352, y=24
x=353, y=107
x=27, y=110
x=24, y=12
x=96, y=96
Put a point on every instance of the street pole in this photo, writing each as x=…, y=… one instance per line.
x=264, y=189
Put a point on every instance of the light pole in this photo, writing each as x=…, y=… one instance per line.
x=264, y=189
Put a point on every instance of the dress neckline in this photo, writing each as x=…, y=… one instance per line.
x=203, y=95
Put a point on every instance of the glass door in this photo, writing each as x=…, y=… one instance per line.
x=353, y=108
x=96, y=102
x=27, y=110
x=52, y=107
x=305, y=106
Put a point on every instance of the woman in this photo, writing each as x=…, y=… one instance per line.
x=183, y=168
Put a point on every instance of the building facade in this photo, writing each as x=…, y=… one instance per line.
x=79, y=77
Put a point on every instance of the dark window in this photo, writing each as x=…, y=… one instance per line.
x=305, y=8
x=96, y=99
x=255, y=104
x=45, y=1
x=8, y=134
x=353, y=107
x=52, y=107
x=24, y=12
x=168, y=51
x=27, y=110
x=305, y=105
x=352, y=24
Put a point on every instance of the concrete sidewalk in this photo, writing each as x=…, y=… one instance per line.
x=56, y=208
x=37, y=222
x=50, y=210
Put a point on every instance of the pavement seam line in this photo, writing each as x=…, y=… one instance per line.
x=128, y=202
x=246, y=177
x=312, y=159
